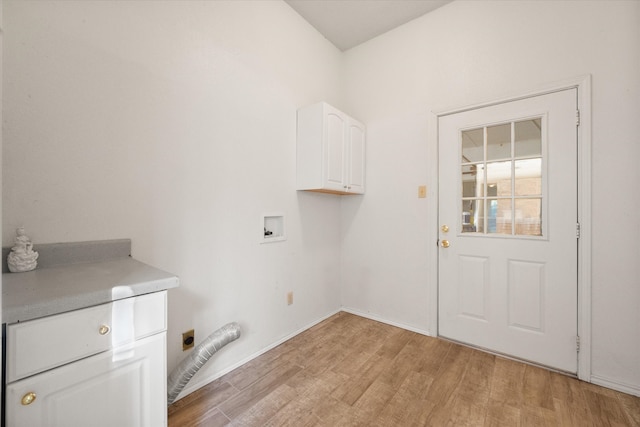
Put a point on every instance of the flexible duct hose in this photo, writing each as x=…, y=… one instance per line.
x=181, y=375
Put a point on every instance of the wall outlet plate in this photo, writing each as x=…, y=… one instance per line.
x=188, y=340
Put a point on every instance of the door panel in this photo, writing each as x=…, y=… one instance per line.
x=335, y=151
x=526, y=295
x=124, y=387
x=356, y=158
x=474, y=281
x=508, y=194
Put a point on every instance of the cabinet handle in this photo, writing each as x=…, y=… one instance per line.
x=104, y=330
x=28, y=398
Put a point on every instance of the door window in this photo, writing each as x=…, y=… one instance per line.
x=502, y=179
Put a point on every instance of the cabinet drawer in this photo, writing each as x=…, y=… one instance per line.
x=42, y=344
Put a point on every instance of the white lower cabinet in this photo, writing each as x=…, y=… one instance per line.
x=122, y=385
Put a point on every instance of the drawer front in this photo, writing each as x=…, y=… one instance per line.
x=42, y=344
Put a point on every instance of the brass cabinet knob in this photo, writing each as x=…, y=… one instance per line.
x=444, y=243
x=28, y=398
x=104, y=330
x=445, y=228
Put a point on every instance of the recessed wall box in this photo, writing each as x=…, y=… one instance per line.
x=272, y=228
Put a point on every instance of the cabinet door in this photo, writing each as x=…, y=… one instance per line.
x=356, y=158
x=335, y=151
x=122, y=387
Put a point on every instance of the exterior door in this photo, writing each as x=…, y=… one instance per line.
x=508, y=228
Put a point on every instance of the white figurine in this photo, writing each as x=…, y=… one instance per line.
x=22, y=256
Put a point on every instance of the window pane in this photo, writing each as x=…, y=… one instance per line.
x=502, y=179
x=528, y=139
x=499, y=216
x=529, y=217
x=499, y=179
x=470, y=185
x=473, y=216
x=528, y=177
x=473, y=145
x=499, y=142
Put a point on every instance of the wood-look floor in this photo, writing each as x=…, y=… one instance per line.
x=352, y=371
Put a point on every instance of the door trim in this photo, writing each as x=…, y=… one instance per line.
x=583, y=86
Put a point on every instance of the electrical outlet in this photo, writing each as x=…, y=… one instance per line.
x=290, y=298
x=422, y=191
x=188, y=339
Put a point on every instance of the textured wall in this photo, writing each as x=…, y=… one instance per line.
x=470, y=52
x=173, y=124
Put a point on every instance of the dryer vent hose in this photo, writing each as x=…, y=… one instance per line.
x=181, y=375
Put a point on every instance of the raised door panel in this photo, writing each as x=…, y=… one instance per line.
x=356, y=166
x=123, y=387
x=335, y=152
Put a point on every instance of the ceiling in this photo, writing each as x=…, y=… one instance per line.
x=347, y=23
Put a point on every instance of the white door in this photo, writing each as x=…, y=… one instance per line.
x=507, y=213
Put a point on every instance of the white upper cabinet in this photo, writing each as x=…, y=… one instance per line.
x=330, y=151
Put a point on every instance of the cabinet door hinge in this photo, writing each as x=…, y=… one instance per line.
x=578, y=343
x=577, y=117
x=577, y=230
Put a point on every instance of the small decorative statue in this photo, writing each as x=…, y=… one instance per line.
x=22, y=256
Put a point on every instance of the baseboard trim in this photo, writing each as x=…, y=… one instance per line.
x=388, y=322
x=615, y=385
x=207, y=379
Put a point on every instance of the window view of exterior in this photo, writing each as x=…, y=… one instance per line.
x=502, y=190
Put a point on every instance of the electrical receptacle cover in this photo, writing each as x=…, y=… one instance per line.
x=188, y=340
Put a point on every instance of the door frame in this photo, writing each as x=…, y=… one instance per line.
x=583, y=86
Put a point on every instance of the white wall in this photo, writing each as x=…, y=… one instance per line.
x=469, y=52
x=173, y=124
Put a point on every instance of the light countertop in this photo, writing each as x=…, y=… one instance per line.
x=61, y=288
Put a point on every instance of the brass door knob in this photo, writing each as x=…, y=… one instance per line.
x=104, y=330
x=445, y=228
x=444, y=243
x=28, y=398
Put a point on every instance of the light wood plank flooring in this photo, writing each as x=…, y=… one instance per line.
x=352, y=371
